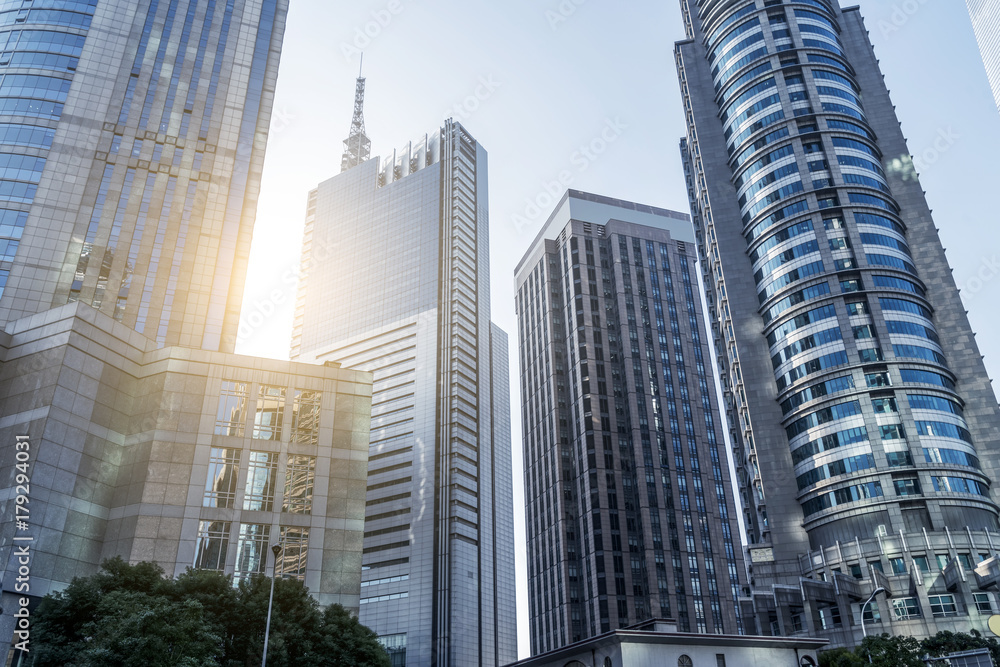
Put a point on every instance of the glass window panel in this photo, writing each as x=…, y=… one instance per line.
x=300, y=475
x=223, y=470
x=232, y=409
x=305, y=416
x=270, y=413
x=261, y=474
x=251, y=551
x=212, y=545
x=295, y=548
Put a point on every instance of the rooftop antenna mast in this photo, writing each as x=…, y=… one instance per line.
x=357, y=146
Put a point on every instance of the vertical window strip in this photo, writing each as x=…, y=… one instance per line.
x=220, y=54
x=88, y=242
x=133, y=80
x=154, y=260
x=116, y=228
x=154, y=80
x=175, y=267
x=133, y=253
x=175, y=76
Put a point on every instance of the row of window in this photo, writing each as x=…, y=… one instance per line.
x=253, y=547
x=269, y=415
x=261, y=480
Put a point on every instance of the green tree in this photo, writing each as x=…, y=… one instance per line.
x=886, y=651
x=134, y=616
x=347, y=643
x=840, y=657
x=946, y=642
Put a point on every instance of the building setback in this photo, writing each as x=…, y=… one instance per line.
x=396, y=282
x=630, y=509
x=865, y=429
x=132, y=137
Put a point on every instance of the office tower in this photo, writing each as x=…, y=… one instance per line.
x=630, y=508
x=395, y=281
x=860, y=410
x=985, y=15
x=132, y=136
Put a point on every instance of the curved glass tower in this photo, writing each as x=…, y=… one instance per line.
x=865, y=427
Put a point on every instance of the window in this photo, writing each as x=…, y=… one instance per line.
x=856, y=571
x=942, y=560
x=904, y=608
x=251, y=550
x=942, y=605
x=898, y=459
x=395, y=646
x=877, y=379
x=921, y=562
x=299, y=478
x=305, y=416
x=232, y=409
x=223, y=469
x=720, y=660
x=907, y=487
x=984, y=603
x=684, y=661
x=212, y=545
x=871, y=613
x=270, y=413
x=892, y=432
x=898, y=565
x=259, y=492
x=884, y=405
x=877, y=564
x=966, y=561
x=295, y=547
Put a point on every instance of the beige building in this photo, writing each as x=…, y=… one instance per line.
x=657, y=643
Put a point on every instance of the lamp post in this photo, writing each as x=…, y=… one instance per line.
x=276, y=549
x=864, y=632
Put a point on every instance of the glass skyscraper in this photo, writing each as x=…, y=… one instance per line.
x=132, y=137
x=395, y=281
x=985, y=15
x=630, y=507
x=865, y=428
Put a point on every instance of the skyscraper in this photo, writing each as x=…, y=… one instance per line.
x=630, y=509
x=132, y=137
x=395, y=281
x=865, y=427
x=985, y=15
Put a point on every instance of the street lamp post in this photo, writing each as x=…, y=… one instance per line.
x=864, y=632
x=276, y=549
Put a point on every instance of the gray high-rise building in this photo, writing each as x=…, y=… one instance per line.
x=985, y=15
x=132, y=138
x=866, y=431
x=395, y=281
x=630, y=507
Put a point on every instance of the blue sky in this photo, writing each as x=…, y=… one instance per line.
x=537, y=82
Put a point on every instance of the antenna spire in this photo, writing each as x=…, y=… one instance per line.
x=357, y=146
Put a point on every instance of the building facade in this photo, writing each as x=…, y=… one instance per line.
x=395, y=281
x=133, y=143
x=985, y=15
x=630, y=509
x=132, y=137
x=862, y=418
x=657, y=643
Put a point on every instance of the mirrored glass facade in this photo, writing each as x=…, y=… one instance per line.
x=396, y=282
x=861, y=414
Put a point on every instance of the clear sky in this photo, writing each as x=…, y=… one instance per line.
x=537, y=81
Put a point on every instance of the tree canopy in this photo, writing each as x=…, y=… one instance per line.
x=134, y=616
x=902, y=651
